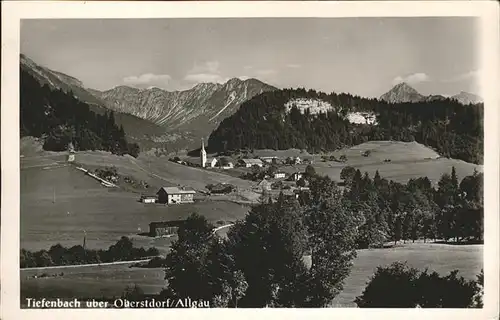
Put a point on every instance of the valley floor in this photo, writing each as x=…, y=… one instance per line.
x=60, y=204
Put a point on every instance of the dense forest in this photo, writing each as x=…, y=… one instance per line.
x=60, y=118
x=453, y=129
x=289, y=253
x=416, y=210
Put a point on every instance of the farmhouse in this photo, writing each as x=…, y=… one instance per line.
x=228, y=165
x=164, y=228
x=248, y=163
x=296, y=176
x=264, y=185
x=307, y=161
x=302, y=189
x=211, y=162
x=293, y=160
x=148, y=199
x=171, y=195
x=269, y=159
x=279, y=175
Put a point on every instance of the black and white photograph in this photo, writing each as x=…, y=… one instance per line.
x=251, y=162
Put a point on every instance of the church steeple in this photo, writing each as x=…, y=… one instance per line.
x=203, y=154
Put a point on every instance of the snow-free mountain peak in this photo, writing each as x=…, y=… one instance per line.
x=467, y=98
x=402, y=92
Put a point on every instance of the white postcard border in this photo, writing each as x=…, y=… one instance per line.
x=14, y=11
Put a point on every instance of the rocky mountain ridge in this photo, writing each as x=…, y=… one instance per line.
x=403, y=92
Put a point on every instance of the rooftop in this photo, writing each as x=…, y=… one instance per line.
x=176, y=190
x=251, y=160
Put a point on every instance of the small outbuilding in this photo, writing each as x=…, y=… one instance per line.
x=148, y=199
x=279, y=175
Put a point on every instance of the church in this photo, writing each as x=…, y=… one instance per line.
x=212, y=162
x=203, y=155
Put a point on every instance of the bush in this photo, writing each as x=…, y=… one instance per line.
x=347, y=173
x=133, y=293
x=133, y=149
x=310, y=172
x=399, y=286
x=301, y=182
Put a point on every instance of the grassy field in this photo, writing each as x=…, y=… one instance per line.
x=408, y=160
x=158, y=171
x=441, y=258
x=88, y=282
x=110, y=281
x=105, y=214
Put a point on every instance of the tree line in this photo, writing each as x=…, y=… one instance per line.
x=297, y=253
x=58, y=255
x=416, y=210
x=60, y=119
x=453, y=129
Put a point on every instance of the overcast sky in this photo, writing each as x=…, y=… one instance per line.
x=364, y=56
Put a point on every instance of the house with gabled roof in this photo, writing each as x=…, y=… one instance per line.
x=171, y=195
x=248, y=163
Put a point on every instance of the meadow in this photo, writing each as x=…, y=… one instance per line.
x=161, y=168
x=110, y=281
x=60, y=204
x=82, y=206
x=407, y=160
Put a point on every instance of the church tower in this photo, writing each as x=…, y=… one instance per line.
x=203, y=155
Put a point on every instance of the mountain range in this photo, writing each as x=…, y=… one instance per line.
x=154, y=113
x=403, y=92
x=154, y=116
x=135, y=127
x=207, y=103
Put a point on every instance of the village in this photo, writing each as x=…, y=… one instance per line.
x=269, y=176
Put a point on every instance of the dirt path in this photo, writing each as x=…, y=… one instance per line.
x=222, y=227
x=108, y=263
x=87, y=265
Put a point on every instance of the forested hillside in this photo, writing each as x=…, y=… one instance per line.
x=453, y=129
x=61, y=118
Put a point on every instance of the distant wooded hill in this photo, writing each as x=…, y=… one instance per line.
x=265, y=122
x=60, y=118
